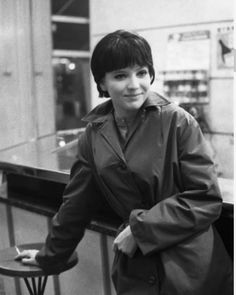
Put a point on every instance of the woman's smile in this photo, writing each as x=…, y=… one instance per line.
x=133, y=95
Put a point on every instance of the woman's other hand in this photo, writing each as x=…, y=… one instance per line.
x=125, y=242
x=28, y=257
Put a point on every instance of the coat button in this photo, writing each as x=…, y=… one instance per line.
x=151, y=280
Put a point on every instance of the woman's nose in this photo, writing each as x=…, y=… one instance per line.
x=133, y=83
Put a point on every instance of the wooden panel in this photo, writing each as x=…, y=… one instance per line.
x=25, y=52
x=42, y=63
x=15, y=74
x=25, y=97
x=9, y=106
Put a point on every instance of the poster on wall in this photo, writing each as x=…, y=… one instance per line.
x=225, y=56
x=188, y=51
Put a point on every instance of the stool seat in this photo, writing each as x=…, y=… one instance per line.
x=13, y=268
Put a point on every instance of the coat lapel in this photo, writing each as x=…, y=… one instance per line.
x=109, y=132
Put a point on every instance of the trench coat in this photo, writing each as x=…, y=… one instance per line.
x=162, y=183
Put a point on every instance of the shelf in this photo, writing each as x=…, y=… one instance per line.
x=186, y=86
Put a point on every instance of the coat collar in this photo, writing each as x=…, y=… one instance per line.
x=103, y=111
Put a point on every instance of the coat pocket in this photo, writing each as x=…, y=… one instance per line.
x=140, y=270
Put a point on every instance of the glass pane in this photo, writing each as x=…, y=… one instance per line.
x=70, y=36
x=70, y=7
x=72, y=91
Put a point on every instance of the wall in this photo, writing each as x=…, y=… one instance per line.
x=26, y=91
x=155, y=20
x=137, y=14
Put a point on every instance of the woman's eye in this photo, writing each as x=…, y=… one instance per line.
x=120, y=76
x=142, y=73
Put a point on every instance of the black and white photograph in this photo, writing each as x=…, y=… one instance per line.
x=117, y=147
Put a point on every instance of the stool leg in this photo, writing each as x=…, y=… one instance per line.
x=42, y=285
x=34, y=286
x=39, y=289
x=39, y=285
x=29, y=287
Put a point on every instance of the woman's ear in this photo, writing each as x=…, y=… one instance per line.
x=103, y=85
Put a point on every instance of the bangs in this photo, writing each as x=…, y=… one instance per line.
x=123, y=54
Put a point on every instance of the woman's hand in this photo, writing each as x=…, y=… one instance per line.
x=28, y=257
x=125, y=242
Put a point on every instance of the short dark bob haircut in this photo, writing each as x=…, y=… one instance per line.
x=118, y=50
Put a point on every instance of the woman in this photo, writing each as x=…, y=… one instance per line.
x=147, y=157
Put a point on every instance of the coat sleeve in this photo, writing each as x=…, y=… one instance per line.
x=189, y=211
x=80, y=202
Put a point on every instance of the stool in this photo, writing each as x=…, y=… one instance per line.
x=35, y=278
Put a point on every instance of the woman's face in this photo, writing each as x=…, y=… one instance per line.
x=128, y=88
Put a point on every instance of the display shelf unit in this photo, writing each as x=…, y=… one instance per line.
x=191, y=87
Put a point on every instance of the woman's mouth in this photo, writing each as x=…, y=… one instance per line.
x=133, y=95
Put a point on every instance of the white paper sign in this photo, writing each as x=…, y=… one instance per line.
x=188, y=51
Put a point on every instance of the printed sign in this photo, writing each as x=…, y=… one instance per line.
x=188, y=51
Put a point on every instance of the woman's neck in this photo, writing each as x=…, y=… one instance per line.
x=128, y=117
x=125, y=114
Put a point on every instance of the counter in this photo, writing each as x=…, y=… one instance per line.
x=51, y=158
